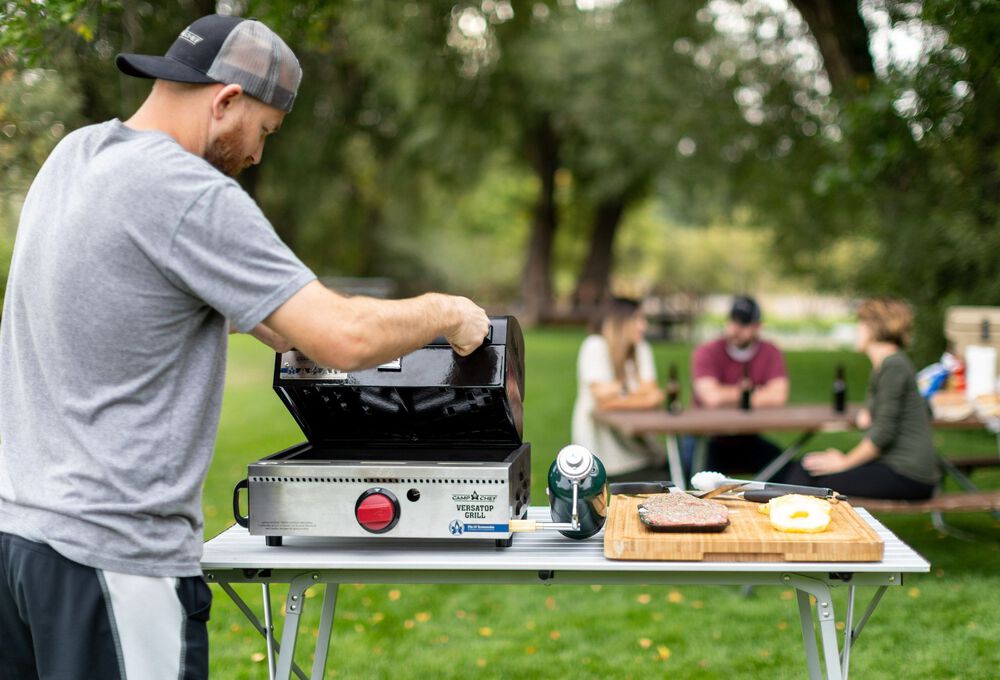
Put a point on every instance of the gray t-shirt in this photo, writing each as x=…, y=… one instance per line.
x=132, y=258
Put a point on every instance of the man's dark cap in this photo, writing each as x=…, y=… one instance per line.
x=229, y=50
x=745, y=310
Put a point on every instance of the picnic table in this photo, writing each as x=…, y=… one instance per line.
x=542, y=558
x=806, y=419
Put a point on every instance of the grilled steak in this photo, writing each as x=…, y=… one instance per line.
x=683, y=512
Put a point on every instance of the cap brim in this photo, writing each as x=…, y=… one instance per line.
x=164, y=68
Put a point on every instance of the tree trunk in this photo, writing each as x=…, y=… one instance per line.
x=593, y=284
x=536, y=287
x=842, y=37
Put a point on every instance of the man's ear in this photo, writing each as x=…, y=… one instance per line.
x=225, y=99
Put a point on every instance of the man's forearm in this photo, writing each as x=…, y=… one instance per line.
x=352, y=333
x=381, y=330
x=764, y=398
x=370, y=332
x=718, y=396
x=773, y=393
x=270, y=338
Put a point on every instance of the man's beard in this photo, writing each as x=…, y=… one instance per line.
x=224, y=153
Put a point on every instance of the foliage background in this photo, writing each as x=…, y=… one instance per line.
x=519, y=152
x=537, y=154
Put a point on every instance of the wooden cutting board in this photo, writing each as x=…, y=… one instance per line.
x=748, y=538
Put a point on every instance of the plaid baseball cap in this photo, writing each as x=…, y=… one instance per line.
x=229, y=50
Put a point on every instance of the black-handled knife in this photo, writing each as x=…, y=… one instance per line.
x=640, y=488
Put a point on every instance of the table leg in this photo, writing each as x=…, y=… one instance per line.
x=793, y=450
x=806, y=586
x=293, y=613
x=828, y=635
x=876, y=598
x=255, y=622
x=700, y=455
x=963, y=481
x=808, y=635
x=845, y=654
x=325, y=628
x=268, y=629
x=674, y=461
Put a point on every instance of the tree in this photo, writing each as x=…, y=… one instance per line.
x=922, y=141
x=842, y=38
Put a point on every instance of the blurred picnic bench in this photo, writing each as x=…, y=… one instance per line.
x=671, y=318
x=970, y=498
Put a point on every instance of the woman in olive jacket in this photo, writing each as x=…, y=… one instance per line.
x=896, y=457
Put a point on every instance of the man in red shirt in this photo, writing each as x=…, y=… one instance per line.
x=720, y=368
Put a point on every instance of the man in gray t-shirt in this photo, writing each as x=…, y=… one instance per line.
x=135, y=254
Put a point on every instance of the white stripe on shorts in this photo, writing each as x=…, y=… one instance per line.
x=150, y=624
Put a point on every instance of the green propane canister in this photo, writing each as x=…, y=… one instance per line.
x=577, y=467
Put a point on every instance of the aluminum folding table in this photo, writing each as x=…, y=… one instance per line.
x=535, y=558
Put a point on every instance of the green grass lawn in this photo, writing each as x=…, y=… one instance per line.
x=937, y=626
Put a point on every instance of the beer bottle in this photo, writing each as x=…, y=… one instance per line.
x=839, y=390
x=746, y=388
x=673, y=402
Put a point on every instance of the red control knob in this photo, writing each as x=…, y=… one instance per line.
x=377, y=510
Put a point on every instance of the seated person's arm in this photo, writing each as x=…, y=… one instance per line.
x=882, y=431
x=609, y=396
x=713, y=394
x=352, y=333
x=832, y=461
x=864, y=419
x=864, y=452
x=772, y=393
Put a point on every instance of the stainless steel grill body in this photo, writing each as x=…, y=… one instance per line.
x=447, y=500
x=428, y=446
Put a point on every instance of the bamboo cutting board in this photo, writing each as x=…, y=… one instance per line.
x=748, y=538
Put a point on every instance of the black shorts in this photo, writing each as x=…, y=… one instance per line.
x=60, y=619
x=871, y=480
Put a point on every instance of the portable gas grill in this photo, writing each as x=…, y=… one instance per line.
x=427, y=446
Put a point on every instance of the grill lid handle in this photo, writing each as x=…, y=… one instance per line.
x=240, y=519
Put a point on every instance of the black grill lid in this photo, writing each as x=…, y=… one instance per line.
x=430, y=397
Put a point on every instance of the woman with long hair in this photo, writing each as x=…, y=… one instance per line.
x=615, y=370
x=896, y=457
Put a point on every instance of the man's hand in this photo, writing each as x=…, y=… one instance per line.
x=827, y=462
x=471, y=327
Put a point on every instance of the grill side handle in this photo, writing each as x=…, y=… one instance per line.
x=240, y=519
